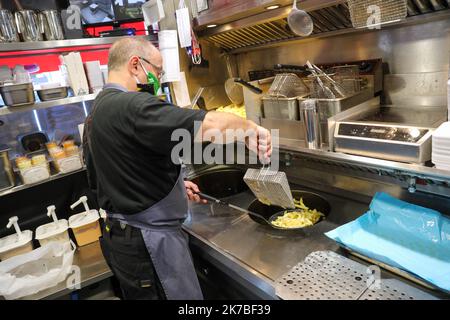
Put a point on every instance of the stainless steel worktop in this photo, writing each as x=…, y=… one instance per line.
x=260, y=255
x=270, y=252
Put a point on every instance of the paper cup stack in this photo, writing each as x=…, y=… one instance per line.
x=441, y=147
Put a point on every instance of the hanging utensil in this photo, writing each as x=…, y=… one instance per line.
x=196, y=51
x=234, y=91
x=300, y=22
x=248, y=85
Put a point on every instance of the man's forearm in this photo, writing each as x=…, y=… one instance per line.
x=223, y=121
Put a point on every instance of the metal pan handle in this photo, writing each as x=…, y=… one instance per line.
x=249, y=86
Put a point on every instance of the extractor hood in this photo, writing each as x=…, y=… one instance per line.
x=244, y=25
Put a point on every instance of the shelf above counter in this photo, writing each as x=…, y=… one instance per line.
x=50, y=45
x=47, y=104
x=28, y=186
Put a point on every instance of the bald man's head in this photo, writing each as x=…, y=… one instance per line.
x=123, y=49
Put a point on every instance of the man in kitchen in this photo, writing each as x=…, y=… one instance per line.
x=128, y=150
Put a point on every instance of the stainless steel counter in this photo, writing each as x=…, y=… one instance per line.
x=257, y=255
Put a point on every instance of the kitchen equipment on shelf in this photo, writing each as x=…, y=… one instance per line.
x=32, y=142
x=348, y=77
x=253, y=101
x=51, y=25
x=8, y=30
x=300, y=21
x=15, y=244
x=374, y=13
x=54, y=93
x=397, y=133
x=386, y=141
x=301, y=71
x=320, y=89
x=281, y=108
x=270, y=187
x=7, y=180
x=16, y=95
x=287, y=85
x=337, y=88
x=66, y=158
x=328, y=109
x=310, y=116
x=292, y=132
x=281, y=100
x=28, y=25
x=441, y=147
x=33, y=170
x=85, y=225
x=248, y=85
x=54, y=231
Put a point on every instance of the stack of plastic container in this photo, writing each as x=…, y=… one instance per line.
x=441, y=147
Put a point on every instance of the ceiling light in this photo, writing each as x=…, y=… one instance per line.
x=276, y=6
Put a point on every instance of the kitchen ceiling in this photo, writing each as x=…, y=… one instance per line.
x=271, y=27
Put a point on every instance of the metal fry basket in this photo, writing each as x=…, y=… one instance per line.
x=371, y=13
x=287, y=85
x=270, y=187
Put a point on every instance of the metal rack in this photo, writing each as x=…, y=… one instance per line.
x=27, y=186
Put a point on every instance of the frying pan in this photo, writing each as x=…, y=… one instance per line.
x=271, y=213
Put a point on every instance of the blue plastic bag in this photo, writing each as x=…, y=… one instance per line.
x=402, y=235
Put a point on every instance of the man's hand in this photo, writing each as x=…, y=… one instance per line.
x=192, y=190
x=260, y=142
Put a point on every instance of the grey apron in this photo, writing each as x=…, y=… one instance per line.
x=166, y=242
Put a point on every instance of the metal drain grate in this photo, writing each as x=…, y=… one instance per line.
x=392, y=289
x=324, y=275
